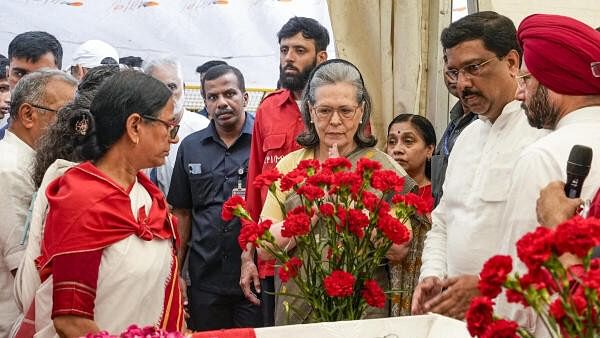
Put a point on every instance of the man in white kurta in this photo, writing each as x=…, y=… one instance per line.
x=168, y=71
x=483, y=57
x=31, y=111
x=562, y=93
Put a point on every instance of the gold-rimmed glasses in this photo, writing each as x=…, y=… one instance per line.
x=326, y=112
x=473, y=69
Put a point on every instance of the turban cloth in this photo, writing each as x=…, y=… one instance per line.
x=559, y=52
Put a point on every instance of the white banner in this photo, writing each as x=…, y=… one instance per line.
x=241, y=32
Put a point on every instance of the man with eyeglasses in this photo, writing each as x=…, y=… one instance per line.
x=168, y=71
x=211, y=166
x=35, y=100
x=560, y=90
x=483, y=58
x=460, y=117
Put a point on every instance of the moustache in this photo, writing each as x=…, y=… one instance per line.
x=290, y=67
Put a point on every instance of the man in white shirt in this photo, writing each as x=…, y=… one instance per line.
x=560, y=89
x=483, y=57
x=35, y=100
x=168, y=70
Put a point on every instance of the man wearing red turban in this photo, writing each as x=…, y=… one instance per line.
x=559, y=86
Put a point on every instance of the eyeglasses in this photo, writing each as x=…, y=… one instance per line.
x=522, y=80
x=473, y=69
x=345, y=112
x=595, y=68
x=43, y=108
x=172, y=127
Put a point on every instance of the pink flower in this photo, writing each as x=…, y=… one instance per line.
x=339, y=284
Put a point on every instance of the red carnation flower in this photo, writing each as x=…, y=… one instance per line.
x=291, y=179
x=421, y=205
x=320, y=179
x=339, y=284
x=393, y=229
x=336, y=164
x=557, y=310
x=266, y=178
x=591, y=279
x=493, y=275
x=366, y=166
x=516, y=297
x=535, y=247
x=309, y=166
x=373, y=294
x=480, y=315
x=387, y=181
x=310, y=192
x=539, y=279
x=342, y=214
x=346, y=180
x=251, y=231
x=357, y=221
x=575, y=236
x=501, y=329
x=369, y=200
x=290, y=269
x=296, y=224
x=326, y=209
x=231, y=206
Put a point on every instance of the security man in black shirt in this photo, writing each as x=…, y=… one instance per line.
x=212, y=165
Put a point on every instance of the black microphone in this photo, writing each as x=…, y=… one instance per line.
x=578, y=167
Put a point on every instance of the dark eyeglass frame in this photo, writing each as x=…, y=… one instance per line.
x=42, y=107
x=470, y=70
x=172, y=127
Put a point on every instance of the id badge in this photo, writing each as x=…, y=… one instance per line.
x=239, y=192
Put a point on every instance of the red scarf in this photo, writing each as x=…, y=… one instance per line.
x=88, y=211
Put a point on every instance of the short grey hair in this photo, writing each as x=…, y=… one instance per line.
x=329, y=73
x=169, y=61
x=32, y=88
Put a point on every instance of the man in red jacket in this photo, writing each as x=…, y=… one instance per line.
x=302, y=46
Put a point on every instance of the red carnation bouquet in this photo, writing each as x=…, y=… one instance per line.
x=343, y=226
x=561, y=285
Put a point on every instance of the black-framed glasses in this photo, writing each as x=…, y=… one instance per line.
x=326, y=112
x=473, y=69
x=43, y=108
x=172, y=127
x=522, y=80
